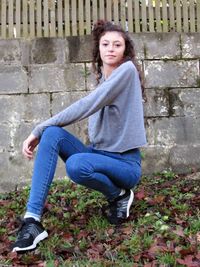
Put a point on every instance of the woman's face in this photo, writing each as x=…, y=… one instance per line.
x=111, y=47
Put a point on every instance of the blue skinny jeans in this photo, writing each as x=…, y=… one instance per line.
x=106, y=172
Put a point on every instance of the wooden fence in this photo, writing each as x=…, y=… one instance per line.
x=52, y=18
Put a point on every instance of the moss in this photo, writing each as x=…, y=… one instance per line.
x=198, y=81
x=174, y=99
x=145, y=51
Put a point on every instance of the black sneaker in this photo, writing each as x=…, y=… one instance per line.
x=30, y=234
x=118, y=210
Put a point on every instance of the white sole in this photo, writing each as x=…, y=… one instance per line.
x=129, y=203
x=39, y=238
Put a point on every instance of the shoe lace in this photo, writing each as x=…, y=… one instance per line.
x=25, y=231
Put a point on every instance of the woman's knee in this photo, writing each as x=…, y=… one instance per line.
x=51, y=134
x=78, y=168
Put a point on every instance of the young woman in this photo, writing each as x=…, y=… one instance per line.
x=111, y=164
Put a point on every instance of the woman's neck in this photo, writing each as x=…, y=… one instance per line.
x=107, y=70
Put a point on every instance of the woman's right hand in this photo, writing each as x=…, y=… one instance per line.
x=29, y=145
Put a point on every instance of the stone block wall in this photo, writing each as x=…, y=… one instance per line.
x=40, y=77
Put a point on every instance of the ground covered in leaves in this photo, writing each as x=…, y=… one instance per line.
x=163, y=229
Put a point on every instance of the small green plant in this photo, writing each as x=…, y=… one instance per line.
x=167, y=259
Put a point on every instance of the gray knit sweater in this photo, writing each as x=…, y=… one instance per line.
x=115, y=112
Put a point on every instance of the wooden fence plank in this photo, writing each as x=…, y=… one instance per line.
x=109, y=10
x=74, y=17
x=151, y=16
x=3, y=19
x=164, y=16
x=102, y=9
x=39, y=18
x=94, y=11
x=32, y=18
x=10, y=19
x=116, y=11
x=171, y=15
x=25, y=18
x=137, y=15
x=67, y=18
x=122, y=7
x=46, y=18
x=81, y=17
x=130, y=15
x=158, y=16
x=178, y=16
x=185, y=16
x=88, y=17
x=18, y=18
x=192, y=16
x=60, y=18
x=52, y=24
x=198, y=16
x=144, y=16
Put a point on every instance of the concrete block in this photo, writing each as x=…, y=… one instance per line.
x=62, y=100
x=190, y=45
x=91, y=82
x=157, y=104
x=138, y=41
x=29, y=108
x=4, y=136
x=10, y=52
x=49, y=50
x=157, y=45
x=155, y=159
x=185, y=102
x=162, y=45
x=80, y=48
x=25, y=46
x=15, y=171
x=50, y=78
x=19, y=131
x=173, y=131
x=171, y=73
x=13, y=79
x=184, y=158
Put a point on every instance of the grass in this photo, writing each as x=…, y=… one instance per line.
x=163, y=228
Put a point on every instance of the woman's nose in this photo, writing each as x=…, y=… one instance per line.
x=110, y=47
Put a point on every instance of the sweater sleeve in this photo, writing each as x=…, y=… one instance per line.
x=102, y=96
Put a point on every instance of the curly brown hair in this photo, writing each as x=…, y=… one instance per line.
x=99, y=29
